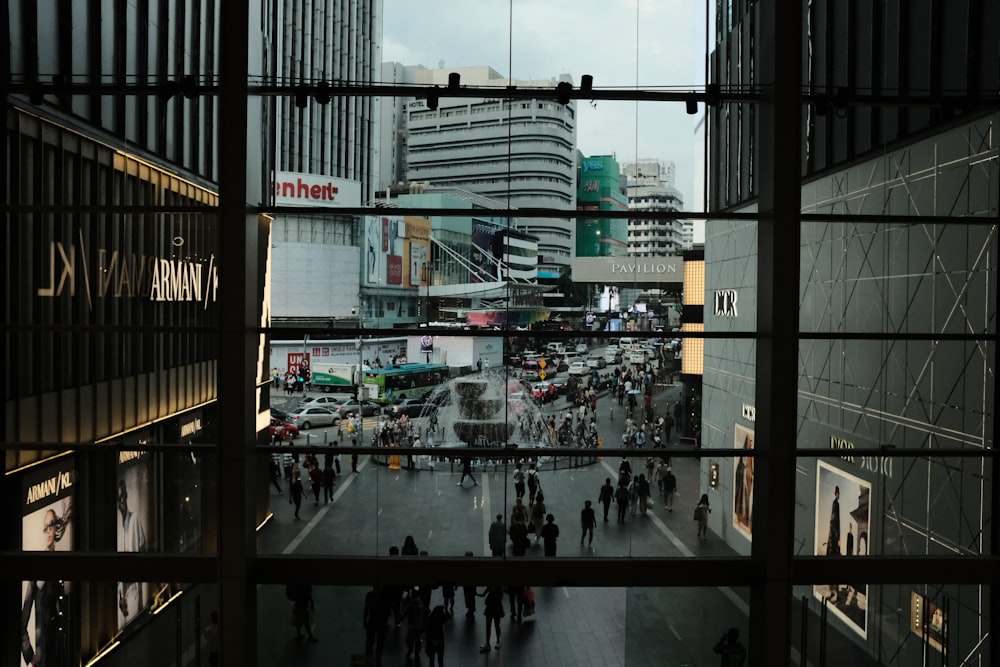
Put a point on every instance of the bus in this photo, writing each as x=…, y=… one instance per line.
x=394, y=383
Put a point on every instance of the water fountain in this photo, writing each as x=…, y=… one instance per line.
x=486, y=410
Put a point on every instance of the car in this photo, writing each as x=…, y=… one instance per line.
x=351, y=407
x=581, y=348
x=439, y=397
x=544, y=391
x=612, y=357
x=411, y=407
x=562, y=367
x=578, y=368
x=282, y=430
x=596, y=362
x=307, y=417
x=277, y=413
x=326, y=401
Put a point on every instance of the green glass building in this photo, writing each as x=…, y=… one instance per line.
x=600, y=188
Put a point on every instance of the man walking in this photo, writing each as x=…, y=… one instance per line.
x=588, y=519
x=498, y=536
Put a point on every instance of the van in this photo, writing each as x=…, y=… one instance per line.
x=556, y=348
x=530, y=370
x=625, y=344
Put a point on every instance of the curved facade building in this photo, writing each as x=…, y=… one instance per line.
x=522, y=152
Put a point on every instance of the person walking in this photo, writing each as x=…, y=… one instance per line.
x=732, y=650
x=633, y=495
x=669, y=489
x=302, y=606
x=374, y=617
x=434, y=635
x=518, y=482
x=316, y=480
x=701, y=513
x=467, y=471
x=493, y=612
x=469, y=593
x=354, y=455
x=532, y=483
x=276, y=474
x=328, y=482
x=498, y=536
x=410, y=546
x=622, y=498
x=519, y=514
x=538, y=516
x=519, y=541
x=515, y=595
x=295, y=492
x=550, y=531
x=416, y=618
x=642, y=489
x=588, y=519
x=606, y=496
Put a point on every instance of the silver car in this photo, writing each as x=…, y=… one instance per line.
x=332, y=402
x=307, y=417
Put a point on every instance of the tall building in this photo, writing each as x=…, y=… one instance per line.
x=324, y=155
x=600, y=187
x=871, y=184
x=521, y=152
x=650, y=187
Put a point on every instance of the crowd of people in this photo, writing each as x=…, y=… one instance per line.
x=425, y=616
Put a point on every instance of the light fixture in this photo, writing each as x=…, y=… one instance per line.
x=301, y=98
x=432, y=99
x=691, y=105
x=322, y=94
x=563, y=89
x=454, y=80
x=586, y=83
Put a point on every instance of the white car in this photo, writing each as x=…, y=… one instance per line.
x=306, y=418
x=581, y=348
x=578, y=368
x=332, y=402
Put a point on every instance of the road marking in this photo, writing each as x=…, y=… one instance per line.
x=566, y=592
x=742, y=606
x=308, y=528
x=674, y=632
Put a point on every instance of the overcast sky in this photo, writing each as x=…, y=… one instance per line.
x=659, y=44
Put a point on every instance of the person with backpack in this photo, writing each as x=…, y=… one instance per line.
x=518, y=482
x=606, y=496
x=532, y=483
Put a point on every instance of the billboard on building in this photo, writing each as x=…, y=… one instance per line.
x=834, y=486
x=47, y=525
x=396, y=252
x=133, y=512
x=743, y=482
x=292, y=188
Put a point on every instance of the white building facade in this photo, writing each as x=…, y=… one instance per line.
x=650, y=188
x=521, y=152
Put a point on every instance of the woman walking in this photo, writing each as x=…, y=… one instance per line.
x=701, y=513
x=538, y=516
x=493, y=613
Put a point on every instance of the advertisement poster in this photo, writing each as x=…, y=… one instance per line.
x=395, y=251
x=743, y=482
x=47, y=525
x=928, y=621
x=427, y=343
x=133, y=512
x=842, y=523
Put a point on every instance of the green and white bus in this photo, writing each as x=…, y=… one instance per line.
x=394, y=383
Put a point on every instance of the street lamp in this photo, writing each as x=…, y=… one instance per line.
x=425, y=276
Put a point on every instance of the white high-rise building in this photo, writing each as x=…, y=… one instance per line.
x=650, y=187
x=521, y=152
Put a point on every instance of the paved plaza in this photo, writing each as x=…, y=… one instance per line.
x=377, y=507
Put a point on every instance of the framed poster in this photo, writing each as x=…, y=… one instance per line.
x=843, y=514
x=743, y=482
x=133, y=512
x=47, y=525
